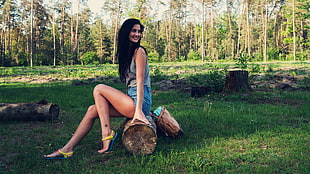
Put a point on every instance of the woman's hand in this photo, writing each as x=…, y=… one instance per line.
x=140, y=117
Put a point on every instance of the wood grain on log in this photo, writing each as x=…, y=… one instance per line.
x=139, y=138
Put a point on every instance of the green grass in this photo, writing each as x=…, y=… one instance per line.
x=258, y=132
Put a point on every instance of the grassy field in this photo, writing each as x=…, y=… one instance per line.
x=264, y=131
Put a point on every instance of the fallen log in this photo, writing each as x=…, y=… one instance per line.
x=199, y=91
x=40, y=111
x=139, y=138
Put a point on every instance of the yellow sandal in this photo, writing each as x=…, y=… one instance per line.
x=112, y=138
x=62, y=156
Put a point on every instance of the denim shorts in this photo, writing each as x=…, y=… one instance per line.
x=147, y=102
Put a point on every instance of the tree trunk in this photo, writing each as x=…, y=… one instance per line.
x=265, y=31
x=236, y=81
x=31, y=34
x=62, y=37
x=54, y=39
x=76, y=39
x=100, y=43
x=213, y=57
x=239, y=48
x=202, y=32
x=294, y=32
x=29, y=111
x=139, y=138
x=230, y=34
x=71, y=37
x=170, y=35
x=248, y=29
x=2, y=46
x=118, y=14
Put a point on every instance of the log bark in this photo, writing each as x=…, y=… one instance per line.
x=40, y=111
x=139, y=138
x=236, y=81
x=200, y=91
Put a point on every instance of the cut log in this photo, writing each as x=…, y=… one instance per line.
x=139, y=138
x=236, y=81
x=200, y=91
x=40, y=111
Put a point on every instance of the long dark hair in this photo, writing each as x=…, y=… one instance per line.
x=126, y=48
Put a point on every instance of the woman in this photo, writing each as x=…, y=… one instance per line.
x=110, y=102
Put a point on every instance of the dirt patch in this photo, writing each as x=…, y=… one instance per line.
x=281, y=79
x=277, y=101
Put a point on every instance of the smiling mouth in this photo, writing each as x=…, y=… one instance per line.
x=135, y=38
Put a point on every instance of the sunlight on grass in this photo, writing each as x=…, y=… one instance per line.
x=265, y=131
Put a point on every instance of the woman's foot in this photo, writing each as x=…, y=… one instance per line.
x=107, y=143
x=59, y=154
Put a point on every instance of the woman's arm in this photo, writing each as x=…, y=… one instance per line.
x=140, y=61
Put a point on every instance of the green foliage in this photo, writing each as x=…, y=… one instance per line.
x=153, y=56
x=303, y=56
x=213, y=79
x=242, y=61
x=273, y=54
x=193, y=55
x=7, y=71
x=287, y=40
x=90, y=58
x=156, y=71
x=304, y=82
x=157, y=74
x=172, y=38
x=270, y=68
x=255, y=68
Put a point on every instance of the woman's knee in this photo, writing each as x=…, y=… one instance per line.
x=99, y=89
x=92, y=112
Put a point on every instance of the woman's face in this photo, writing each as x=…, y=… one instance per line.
x=135, y=33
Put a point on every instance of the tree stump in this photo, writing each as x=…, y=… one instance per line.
x=237, y=80
x=29, y=111
x=138, y=138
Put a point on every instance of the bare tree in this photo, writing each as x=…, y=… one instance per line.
x=115, y=29
x=114, y=8
x=203, y=31
x=230, y=34
x=265, y=30
x=31, y=34
x=294, y=30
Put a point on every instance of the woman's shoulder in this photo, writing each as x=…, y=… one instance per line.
x=140, y=54
x=141, y=50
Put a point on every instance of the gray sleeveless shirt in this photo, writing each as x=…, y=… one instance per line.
x=131, y=75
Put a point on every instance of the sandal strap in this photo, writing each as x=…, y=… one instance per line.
x=110, y=137
x=66, y=155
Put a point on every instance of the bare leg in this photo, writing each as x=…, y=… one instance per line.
x=111, y=102
x=82, y=130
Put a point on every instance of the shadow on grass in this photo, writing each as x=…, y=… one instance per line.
x=209, y=123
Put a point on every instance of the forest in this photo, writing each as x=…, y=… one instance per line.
x=68, y=32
